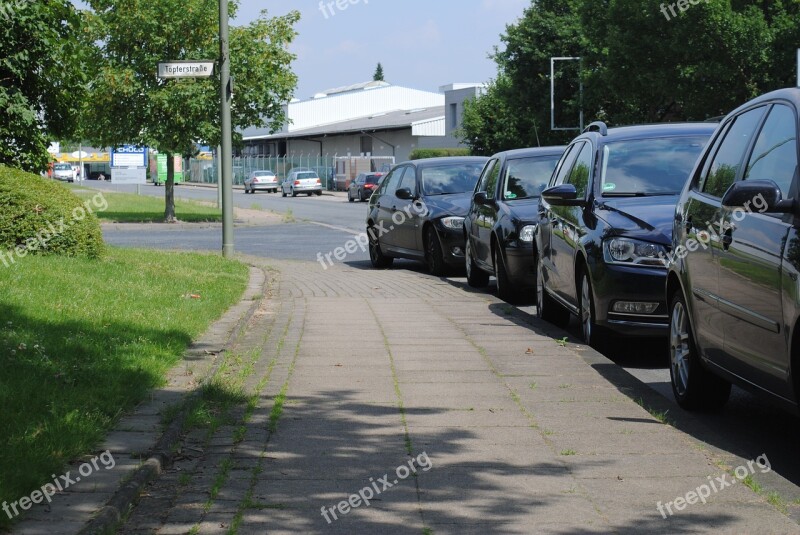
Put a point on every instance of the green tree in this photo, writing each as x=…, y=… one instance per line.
x=378, y=76
x=44, y=46
x=131, y=105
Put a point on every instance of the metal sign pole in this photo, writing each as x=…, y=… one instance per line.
x=225, y=121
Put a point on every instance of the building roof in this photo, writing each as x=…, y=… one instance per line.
x=426, y=122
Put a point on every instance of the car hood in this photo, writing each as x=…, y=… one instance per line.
x=456, y=204
x=646, y=217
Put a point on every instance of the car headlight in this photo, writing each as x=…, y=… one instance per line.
x=628, y=251
x=454, y=223
x=526, y=233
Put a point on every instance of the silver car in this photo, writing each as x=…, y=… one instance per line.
x=261, y=180
x=297, y=182
x=65, y=171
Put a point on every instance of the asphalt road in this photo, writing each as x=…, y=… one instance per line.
x=747, y=426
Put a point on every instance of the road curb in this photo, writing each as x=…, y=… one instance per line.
x=108, y=518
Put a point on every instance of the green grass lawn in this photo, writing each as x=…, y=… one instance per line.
x=131, y=208
x=81, y=341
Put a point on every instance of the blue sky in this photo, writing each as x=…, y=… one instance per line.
x=422, y=44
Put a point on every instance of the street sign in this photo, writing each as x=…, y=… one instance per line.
x=186, y=69
x=129, y=156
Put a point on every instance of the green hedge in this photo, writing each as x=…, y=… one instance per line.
x=420, y=154
x=40, y=216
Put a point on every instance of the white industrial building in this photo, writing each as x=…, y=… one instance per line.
x=368, y=119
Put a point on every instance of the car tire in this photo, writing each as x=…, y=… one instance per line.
x=283, y=192
x=310, y=193
x=318, y=193
x=294, y=193
x=434, y=256
x=504, y=289
x=547, y=308
x=693, y=385
x=593, y=334
x=377, y=257
x=349, y=197
x=476, y=277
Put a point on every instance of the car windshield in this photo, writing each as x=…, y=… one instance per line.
x=526, y=178
x=644, y=167
x=302, y=176
x=450, y=178
x=62, y=167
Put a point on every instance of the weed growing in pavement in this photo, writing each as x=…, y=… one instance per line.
x=568, y=452
x=562, y=342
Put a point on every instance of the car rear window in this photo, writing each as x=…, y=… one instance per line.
x=301, y=176
x=527, y=177
x=658, y=166
x=372, y=179
x=264, y=173
x=450, y=178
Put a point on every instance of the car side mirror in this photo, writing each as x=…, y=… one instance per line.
x=481, y=199
x=562, y=195
x=404, y=194
x=762, y=196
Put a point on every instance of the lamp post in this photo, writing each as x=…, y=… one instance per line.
x=225, y=122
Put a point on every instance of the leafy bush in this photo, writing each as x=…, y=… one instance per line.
x=420, y=154
x=39, y=216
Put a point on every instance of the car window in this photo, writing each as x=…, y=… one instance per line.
x=657, y=166
x=303, y=176
x=389, y=185
x=372, y=179
x=526, y=178
x=566, y=163
x=579, y=175
x=450, y=178
x=775, y=154
x=485, y=175
x=491, y=181
x=409, y=180
x=264, y=173
x=728, y=159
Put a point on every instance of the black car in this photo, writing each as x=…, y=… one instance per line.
x=362, y=187
x=733, y=279
x=418, y=212
x=605, y=227
x=501, y=221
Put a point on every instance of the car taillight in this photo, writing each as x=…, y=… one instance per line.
x=296, y=182
x=369, y=186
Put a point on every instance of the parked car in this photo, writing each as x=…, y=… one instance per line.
x=418, y=212
x=261, y=180
x=501, y=221
x=733, y=279
x=297, y=182
x=605, y=227
x=65, y=171
x=363, y=186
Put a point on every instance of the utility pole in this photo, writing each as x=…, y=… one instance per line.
x=225, y=121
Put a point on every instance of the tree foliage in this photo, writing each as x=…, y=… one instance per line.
x=44, y=47
x=638, y=65
x=378, y=76
x=131, y=105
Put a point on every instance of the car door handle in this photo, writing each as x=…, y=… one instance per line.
x=377, y=205
x=394, y=208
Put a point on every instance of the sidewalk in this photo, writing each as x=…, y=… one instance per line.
x=356, y=373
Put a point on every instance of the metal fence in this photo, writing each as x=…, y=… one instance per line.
x=204, y=170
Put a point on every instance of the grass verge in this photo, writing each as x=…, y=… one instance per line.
x=82, y=340
x=130, y=208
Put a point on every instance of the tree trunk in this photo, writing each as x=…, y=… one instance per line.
x=169, y=190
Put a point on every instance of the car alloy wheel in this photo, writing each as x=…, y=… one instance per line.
x=476, y=277
x=376, y=256
x=546, y=308
x=694, y=387
x=434, y=256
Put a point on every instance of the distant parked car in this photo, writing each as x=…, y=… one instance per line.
x=605, y=227
x=297, y=182
x=65, y=172
x=363, y=186
x=734, y=310
x=418, y=212
x=265, y=180
x=501, y=221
